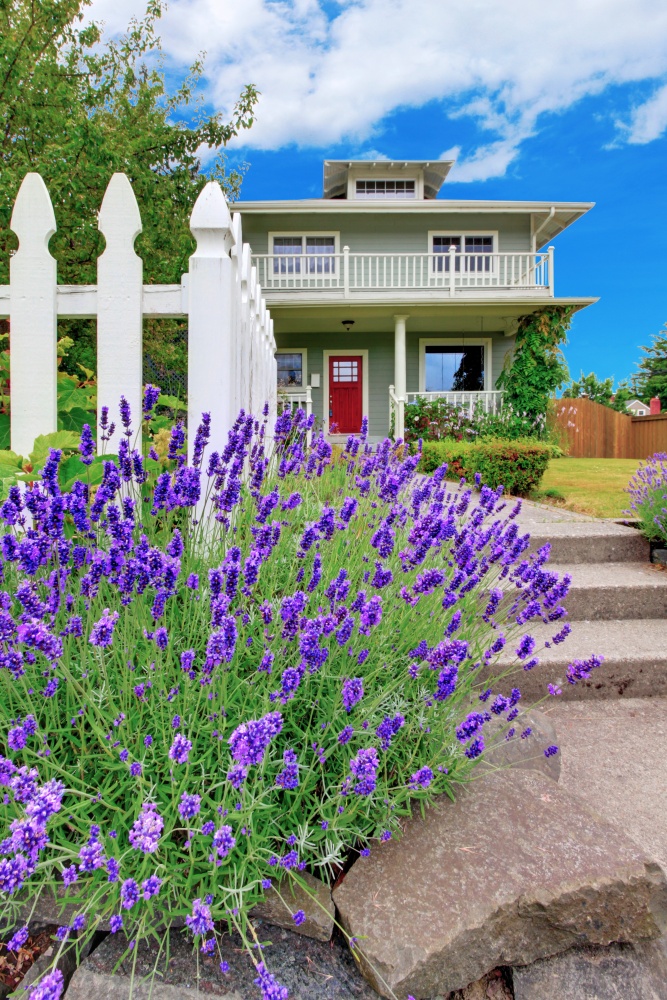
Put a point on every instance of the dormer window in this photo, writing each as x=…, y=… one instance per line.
x=377, y=190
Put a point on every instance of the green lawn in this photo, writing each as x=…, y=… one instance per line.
x=589, y=485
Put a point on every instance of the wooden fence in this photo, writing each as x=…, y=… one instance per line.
x=591, y=430
x=231, y=347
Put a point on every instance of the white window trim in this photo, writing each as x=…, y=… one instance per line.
x=350, y=352
x=303, y=351
x=461, y=341
x=303, y=234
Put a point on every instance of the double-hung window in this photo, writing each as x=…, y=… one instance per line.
x=474, y=252
x=302, y=254
x=291, y=369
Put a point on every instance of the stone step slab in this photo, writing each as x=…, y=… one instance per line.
x=575, y=542
x=316, y=903
x=619, y=972
x=635, y=661
x=515, y=870
x=609, y=591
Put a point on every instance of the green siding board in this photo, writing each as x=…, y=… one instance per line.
x=390, y=233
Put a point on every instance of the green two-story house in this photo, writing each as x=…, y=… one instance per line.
x=383, y=289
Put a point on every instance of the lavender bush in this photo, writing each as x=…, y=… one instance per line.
x=648, y=496
x=195, y=706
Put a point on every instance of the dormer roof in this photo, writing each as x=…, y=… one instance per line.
x=430, y=173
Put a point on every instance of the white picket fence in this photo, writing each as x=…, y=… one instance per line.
x=231, y=347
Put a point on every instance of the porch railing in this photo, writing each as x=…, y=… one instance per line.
x=295, y=398
x=489, y=402
x=452, y=272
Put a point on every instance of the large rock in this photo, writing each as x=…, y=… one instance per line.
x=315, y=902
x=527, y=754
x=311, y=970
x=513, y=871
x=618, y=972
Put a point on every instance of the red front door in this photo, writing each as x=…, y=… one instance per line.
x=345, y=396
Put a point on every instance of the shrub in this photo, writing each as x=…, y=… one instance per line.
x=219, y=675
x=518, y=466
x=435, y=419
x=648, y=495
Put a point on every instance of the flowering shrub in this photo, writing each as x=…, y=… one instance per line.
x=435, y=419
x=648, y=496
x=518, y=466
x=220, y=674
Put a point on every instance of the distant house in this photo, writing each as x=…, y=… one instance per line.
x=637, y=408
x=381, y=291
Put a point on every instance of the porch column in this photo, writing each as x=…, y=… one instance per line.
x=400, y=372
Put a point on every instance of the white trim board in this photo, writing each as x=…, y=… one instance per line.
x=349, y=352
x=303, y=233
x=462, y=340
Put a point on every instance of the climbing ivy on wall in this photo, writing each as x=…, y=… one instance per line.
x=537, y=368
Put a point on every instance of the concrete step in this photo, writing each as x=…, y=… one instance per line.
x=577, y=542
x=613, y=590
x=635, y=661
x=613, y=757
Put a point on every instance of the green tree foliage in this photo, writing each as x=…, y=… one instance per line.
x=537, y=368
x=599, y=390
x=651, y=378
x=76, y=108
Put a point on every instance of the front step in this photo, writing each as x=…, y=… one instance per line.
x=577, y=542
x=611, y=591
x=635, y=661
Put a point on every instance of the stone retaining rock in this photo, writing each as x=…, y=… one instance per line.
x=315, y=903
x=515, y=870
x=311, y=970
x=619, y=972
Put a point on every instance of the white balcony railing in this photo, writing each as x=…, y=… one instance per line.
x=453, y=273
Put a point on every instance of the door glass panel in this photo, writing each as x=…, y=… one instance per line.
x=476, y=259
x=453, y=369
x=320, y=252
x=441, y=247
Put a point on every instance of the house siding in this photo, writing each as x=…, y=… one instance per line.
x=380, y=347
x=383, y=233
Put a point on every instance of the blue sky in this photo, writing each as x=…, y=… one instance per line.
x=555, y=102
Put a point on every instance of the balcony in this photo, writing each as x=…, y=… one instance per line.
x=452, y=274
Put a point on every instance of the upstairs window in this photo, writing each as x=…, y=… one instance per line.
x=473, y=252
x=388, y=190
x=318, y=253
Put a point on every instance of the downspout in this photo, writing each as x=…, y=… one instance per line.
x=552, y=212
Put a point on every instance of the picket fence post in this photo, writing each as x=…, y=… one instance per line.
x=210, y=326
x=34, y=317
x=119, y=305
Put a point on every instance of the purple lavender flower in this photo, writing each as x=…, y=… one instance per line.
x=87, y=445
x=353, y=692
x=129, y=893
x=345, y=735
x=102, y=631
x=70, y=875
x=270, y=987
x=145, y=834
x=551, y=751
x=223, y=841
x=289, y=776
x=50, y=987
x=200, y=921
x=421, y=778
x=364, y=768
x=151, y=887
x=388, y=729
x=151, y=396
x=180, y=749
x=115, y=923
x=189, y=806
x=299, y=917
x=250, y=740
x=18, y=939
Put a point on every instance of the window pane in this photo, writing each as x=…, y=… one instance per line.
x=475, y=259
x=290, y=370
x=385, y=189
x=289, y=246
x=320, y=249
x=441, y=245
x=453, y=369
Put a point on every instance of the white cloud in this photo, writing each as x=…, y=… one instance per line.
x=326, y=81
x=649, y=120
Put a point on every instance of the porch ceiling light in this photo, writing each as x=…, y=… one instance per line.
x=348, y=324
